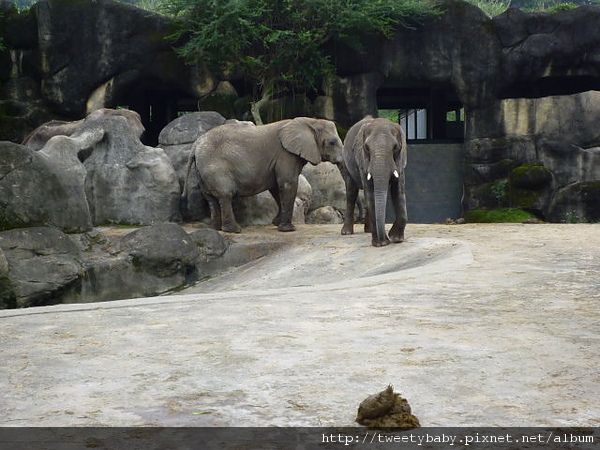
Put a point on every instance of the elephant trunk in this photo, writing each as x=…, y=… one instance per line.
x=381, y=180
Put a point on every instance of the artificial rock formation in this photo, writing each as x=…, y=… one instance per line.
x=128, y=182
x=462, y=55
x=480, y=59
x=541, y=155
x=44, y=266
x=43, y=188
x=101, y=173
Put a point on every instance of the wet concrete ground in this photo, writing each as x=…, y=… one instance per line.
x=476, y=325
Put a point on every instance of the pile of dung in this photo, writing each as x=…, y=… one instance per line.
x=386, y=409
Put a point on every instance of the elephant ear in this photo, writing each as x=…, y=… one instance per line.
x=298, y=137
x=401, y=137
x=358, y=143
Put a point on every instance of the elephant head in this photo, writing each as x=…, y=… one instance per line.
x=312, y=139
x=375, y=155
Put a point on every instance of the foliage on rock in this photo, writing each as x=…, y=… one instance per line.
x=279, y=44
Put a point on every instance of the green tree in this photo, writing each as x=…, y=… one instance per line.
x=279, y=44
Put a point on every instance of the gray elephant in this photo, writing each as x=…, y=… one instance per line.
x=244, y=160
x=374, y=156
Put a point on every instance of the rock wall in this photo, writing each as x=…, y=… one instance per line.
x=497, y=68
x=541, y=155
x=481, y=59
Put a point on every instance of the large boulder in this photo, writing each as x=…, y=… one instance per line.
x=46, y=187
x=163, y=256
x=128, y=182
x=162, y=249
x=147, y=261
x=325, y=214
x=210, y=243
x=328, y=188
x=120, y=180
x=44, y=266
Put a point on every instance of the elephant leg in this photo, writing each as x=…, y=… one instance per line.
x=229, y=224
x=275, y=193
x=215, y=211
x=287, y=196
x=399, y=201
x=369, y=219
x=351, y=197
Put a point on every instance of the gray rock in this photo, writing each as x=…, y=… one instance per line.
x=38, y=137
x=325, y=214
x=210, y=243
x=128, y=182
x=43, y=188
x=187, y=128
x=163, y=250
x=127, y=43
x=576, y=203
x=328, y=188
x=8, y=298
x=44, y=265
x=545, y=151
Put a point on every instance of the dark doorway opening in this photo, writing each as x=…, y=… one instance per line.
x=157, y=105
x=426, y=113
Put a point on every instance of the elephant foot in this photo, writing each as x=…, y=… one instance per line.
x=397, y=234
x=347, y=230
x=377, y=243
x=285, y=227
x=232, y=228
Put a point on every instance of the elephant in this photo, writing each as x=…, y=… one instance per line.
x=244, y=160
x=374, y=159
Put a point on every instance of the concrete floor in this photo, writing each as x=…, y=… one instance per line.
x=476, y=325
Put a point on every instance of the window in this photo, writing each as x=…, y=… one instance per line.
x=414, y=122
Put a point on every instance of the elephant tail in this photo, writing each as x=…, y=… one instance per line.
x=186, y=183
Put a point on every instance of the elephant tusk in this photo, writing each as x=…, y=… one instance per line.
x=368, y=176
x=396, y=174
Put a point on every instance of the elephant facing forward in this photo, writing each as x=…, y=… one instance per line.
x=244, y=160
x=375, y=155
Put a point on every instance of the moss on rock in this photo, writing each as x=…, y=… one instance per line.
x=530, y=176
x=499, y=215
